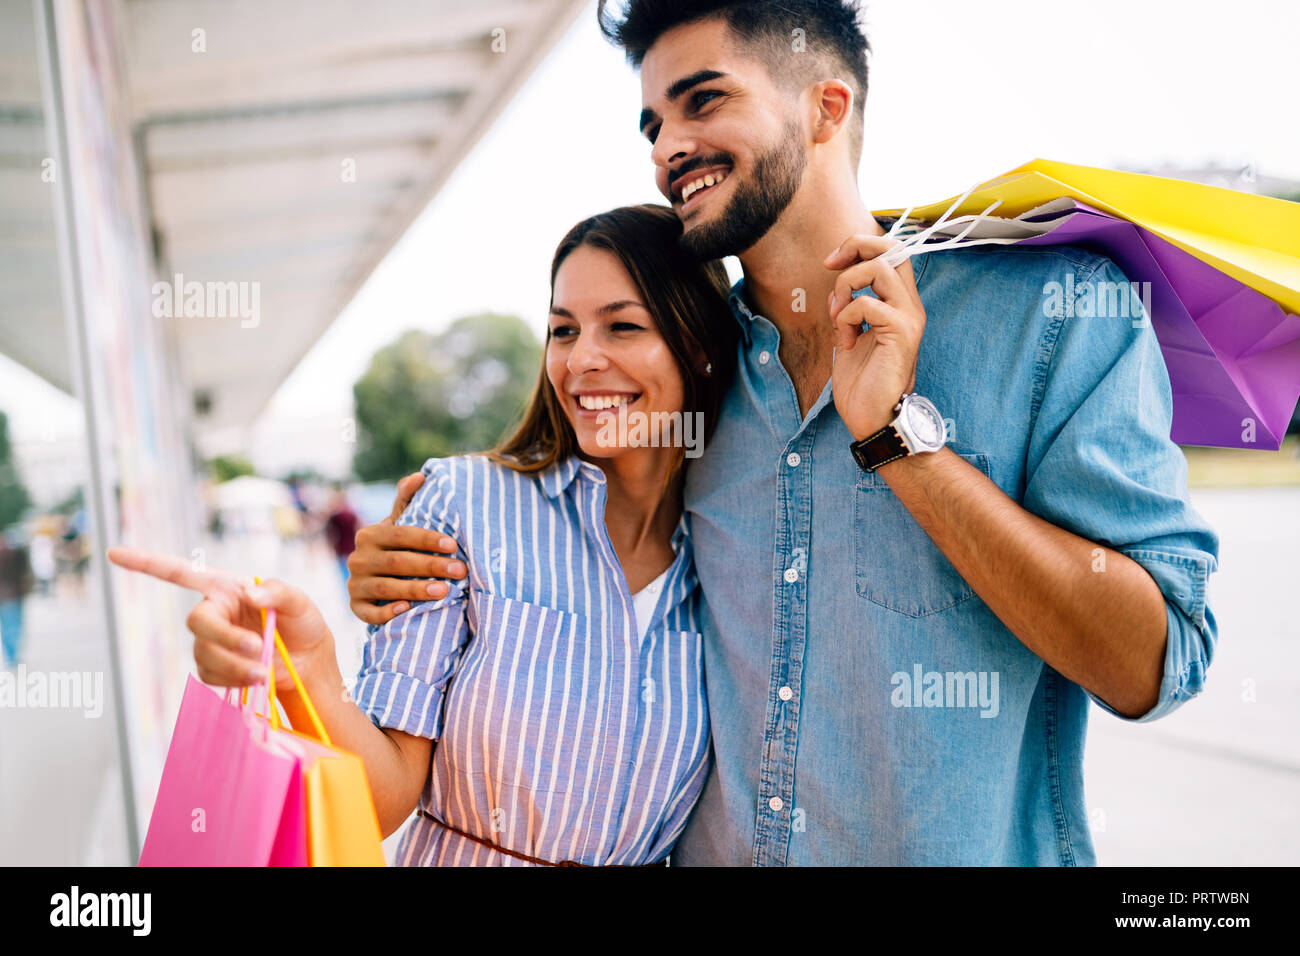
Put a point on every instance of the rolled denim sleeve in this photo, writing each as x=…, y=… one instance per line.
x=409, y=662
x=1101, y=464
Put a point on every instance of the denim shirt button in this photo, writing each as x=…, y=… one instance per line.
x=785, y=693
x=764, y=357
x=776, y=803
x=791, y=575
x=793, y=459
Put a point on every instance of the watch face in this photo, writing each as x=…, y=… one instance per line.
x=924, y=422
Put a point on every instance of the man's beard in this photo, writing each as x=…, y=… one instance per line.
x=757, y=205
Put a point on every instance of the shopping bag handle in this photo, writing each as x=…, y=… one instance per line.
x=269, y=635
x=321, y=734
x=264, y=693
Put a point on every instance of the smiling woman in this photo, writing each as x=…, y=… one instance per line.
x=548, y=708
x=635, y=323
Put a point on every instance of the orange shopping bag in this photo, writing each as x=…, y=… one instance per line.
x=342, y=826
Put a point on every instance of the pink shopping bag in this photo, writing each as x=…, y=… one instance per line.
x=230, y=795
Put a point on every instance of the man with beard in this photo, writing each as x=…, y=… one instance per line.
x=924, y=542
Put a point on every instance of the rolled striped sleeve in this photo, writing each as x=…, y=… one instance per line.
x=408, y=663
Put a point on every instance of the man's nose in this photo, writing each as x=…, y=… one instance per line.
x=671, y=146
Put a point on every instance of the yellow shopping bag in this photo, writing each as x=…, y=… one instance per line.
x=1221, y=270
x=1254, y=239
x=342, y=826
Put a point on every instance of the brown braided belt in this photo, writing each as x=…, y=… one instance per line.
x=537, y=861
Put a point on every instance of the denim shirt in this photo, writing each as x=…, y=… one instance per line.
x=866, y=705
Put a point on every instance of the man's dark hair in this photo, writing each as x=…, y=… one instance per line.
x=801, y=41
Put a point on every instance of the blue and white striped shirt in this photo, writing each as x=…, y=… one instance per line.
x=561, y=733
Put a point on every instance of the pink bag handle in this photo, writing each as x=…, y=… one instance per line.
x=261, y=696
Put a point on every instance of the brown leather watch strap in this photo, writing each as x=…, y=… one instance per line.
x=879, y=449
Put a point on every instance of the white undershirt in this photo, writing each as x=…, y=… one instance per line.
x=644, y=601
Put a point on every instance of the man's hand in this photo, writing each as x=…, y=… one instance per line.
x=387, y=553
x=873, y=369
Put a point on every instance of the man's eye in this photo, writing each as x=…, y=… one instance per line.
x=703, y=97
x=652, y=134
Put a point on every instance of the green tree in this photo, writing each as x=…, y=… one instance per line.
x=224, y=467
x=14, y=499
x=429, y=395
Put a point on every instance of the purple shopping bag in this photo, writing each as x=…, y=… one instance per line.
x=1233, y=353
x=229, y=794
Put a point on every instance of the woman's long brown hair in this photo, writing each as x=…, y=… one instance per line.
x=686, y=297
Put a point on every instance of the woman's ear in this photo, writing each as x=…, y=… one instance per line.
x=702, y=364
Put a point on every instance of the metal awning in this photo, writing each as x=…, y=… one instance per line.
x=288, y=144
x=301, y=145
x=31, y=313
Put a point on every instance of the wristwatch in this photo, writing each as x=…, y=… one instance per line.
x=917, y=429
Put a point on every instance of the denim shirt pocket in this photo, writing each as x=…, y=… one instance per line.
x=898, y=566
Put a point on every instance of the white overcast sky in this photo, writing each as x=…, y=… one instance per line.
x=960, y=92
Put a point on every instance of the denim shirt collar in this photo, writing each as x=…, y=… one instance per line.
x=745, y=316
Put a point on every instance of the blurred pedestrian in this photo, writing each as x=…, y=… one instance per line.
x=72, y=552
x=42, y=560
x=16, y=583
x=341, y=529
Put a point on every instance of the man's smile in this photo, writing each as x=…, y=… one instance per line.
x=687, y=185
x=693, y=194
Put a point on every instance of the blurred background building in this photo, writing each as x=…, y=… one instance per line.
x=259, y=258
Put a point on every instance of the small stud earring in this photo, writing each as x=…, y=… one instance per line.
x=708, y=369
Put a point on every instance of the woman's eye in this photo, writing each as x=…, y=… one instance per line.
x=626, y=326
x=561, y=333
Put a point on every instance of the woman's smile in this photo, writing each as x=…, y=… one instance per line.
x=588, y=406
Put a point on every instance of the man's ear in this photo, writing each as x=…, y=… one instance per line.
x=833, y=100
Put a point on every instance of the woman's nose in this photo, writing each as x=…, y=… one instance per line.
x=586, y=355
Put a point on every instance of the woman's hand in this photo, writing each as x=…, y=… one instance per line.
x=227, y=623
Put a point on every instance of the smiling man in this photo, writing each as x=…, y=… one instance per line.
x=924, y=543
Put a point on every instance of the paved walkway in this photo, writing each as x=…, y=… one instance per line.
x=1218, y=781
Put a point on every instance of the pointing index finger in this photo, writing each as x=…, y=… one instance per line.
x=172, y=570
